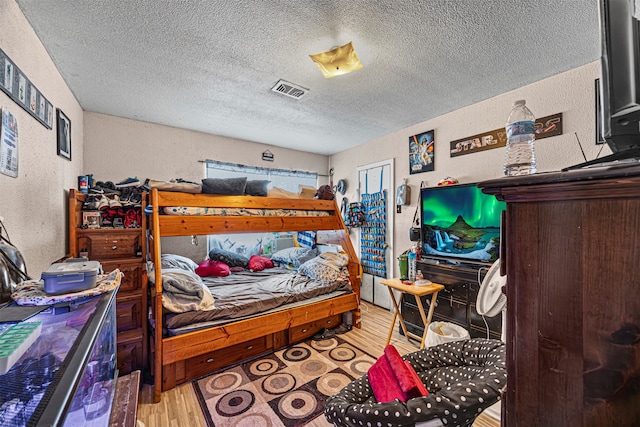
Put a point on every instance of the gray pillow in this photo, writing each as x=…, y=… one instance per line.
x=228, y=186
x=177, y=261
x=257, y=187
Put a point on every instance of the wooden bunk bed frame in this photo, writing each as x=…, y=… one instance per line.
x=181, y=358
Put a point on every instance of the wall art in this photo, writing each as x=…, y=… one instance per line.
x=545, y=127
x=64, y=134
x=421, y=152
x=8, y=144
x=14, y=83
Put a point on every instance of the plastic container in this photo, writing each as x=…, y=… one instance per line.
x=412, y=258
x=403, y=266
x=520, y=158
x=69, y=277
x=443, y=332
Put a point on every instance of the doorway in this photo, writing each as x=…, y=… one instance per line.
x=375, y=242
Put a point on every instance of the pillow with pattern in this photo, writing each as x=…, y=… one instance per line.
x=294, y=257
x=230, y=258
x=326, y=268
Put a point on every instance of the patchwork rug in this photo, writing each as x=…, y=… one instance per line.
x=285, y=388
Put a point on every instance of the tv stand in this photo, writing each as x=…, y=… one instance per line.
x=619, y=157
x=456, y=303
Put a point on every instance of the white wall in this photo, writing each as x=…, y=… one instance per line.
x=34, y=204
x=146, y=150
x=116, y=148
x=571, y=93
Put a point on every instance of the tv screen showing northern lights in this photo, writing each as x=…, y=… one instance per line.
x=460, y=221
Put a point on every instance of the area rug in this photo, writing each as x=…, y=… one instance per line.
x=286, y=388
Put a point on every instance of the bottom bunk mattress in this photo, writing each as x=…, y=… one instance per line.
x=244, y=294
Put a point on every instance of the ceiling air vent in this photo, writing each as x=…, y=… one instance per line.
x=289, y=89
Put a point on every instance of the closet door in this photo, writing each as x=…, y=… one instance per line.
x=375, y=188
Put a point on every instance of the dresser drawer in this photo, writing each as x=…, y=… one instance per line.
x=132, y=273
x=130, y=352
x=109, y=246
x=209, y=362
x=128, y=312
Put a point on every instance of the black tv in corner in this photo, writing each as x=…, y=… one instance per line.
x=619, y=82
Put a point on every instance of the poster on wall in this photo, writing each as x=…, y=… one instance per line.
x=8, y=144
x=421, y=151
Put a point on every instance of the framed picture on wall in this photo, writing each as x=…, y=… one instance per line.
x=64, y=135
x=421, y=151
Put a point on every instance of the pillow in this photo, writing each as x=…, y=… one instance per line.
x=392, y=378
x=306, y=192
x=294, y=256
x=259, y=263
x=177, y=261
x=307, y=239
x=229, y=186
x=257, y=187
x=212, y=268
x=325, y=268
x=182, y=186
x=282, y=194
x=230, y=258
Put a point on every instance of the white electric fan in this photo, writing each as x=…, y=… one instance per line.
x=490, y=302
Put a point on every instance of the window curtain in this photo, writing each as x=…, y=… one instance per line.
x=288, y=180
x=285, y=179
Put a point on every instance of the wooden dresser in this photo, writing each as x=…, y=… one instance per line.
x=571, y=250
x=122, y=248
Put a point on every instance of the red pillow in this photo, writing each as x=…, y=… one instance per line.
x=392, y=378
x=212, y=268
x=259, y=263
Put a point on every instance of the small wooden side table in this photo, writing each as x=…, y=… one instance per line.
x=417, y=291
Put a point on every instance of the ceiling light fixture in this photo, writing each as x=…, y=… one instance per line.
x=337, y=61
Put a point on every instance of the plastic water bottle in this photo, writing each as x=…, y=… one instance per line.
x=520, y=158
x=412, y=257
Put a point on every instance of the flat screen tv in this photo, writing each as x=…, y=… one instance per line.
x=460, y=223
x=620, y=80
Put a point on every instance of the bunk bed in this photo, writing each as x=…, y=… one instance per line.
x=176, y=359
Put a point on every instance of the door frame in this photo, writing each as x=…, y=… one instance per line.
x=390, y=181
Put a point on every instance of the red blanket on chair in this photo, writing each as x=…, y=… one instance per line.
x=392, y=378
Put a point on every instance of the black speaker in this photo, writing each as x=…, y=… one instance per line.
x=414, y=234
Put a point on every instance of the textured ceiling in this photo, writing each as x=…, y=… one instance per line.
x=209, y=65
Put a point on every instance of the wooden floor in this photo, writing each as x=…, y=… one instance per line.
x=179, y=407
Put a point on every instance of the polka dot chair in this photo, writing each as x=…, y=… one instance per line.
x=463, y=379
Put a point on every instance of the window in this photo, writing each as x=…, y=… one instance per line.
x=248, y=244
x=282, y=178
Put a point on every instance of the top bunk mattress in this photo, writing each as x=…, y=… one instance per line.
x=209, y=211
